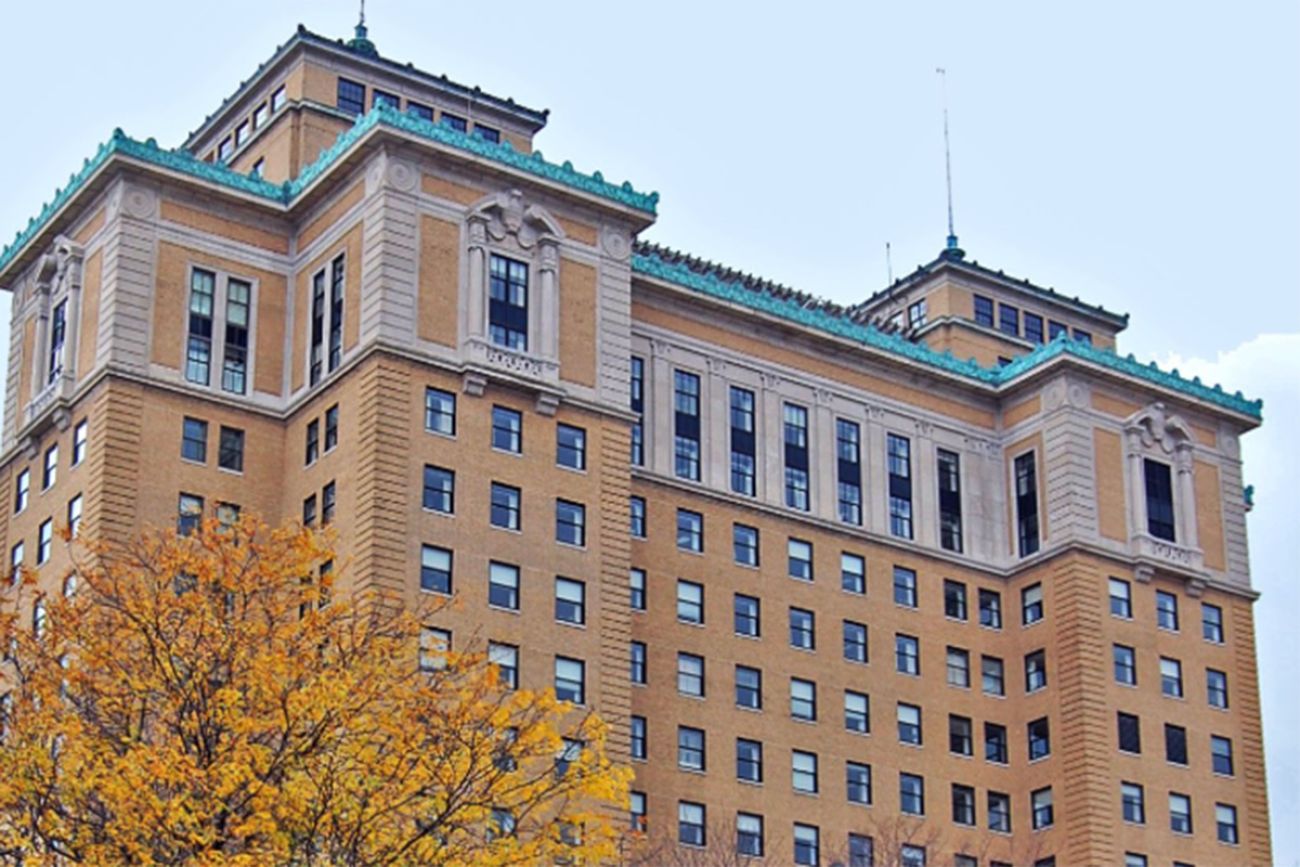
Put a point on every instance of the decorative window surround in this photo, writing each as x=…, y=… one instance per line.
x=56, y=281
x=1154, y=433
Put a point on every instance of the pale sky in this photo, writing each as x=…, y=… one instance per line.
x=1143, y=156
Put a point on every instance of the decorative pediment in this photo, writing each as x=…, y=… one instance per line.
x=507, y=214
x=58, y=268
x=1155, y=427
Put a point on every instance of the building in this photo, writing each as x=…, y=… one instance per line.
x=835, y=587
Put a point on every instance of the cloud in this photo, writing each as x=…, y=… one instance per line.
x=1268, y=367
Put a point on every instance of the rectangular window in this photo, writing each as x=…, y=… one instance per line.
x=454, y=121
x=690, y=531
x=803, y=772
x=435, y=644
x=690, y=748
x=861, y=851
x=803, y=631
x=803, y=699
x=963, y=805
x=636, y=517
x=1040, y=739
x=639, y=743
x=194, y=440
x=916, y=314
x=309, y=510
x=907, y=654
x=1221, y=755
x=950, y=501
x=746, y=621
x=435, y=569
x=857, y=712
x=857, y=779
x=234, y=365
x=50, y=469
x=226, y=148
x=995, y=743
x=570, y=601
x=900, y=486
x=351, y=96
x=1133, y=803
x=1175, y=744
x=848, y=438
x=744, y=544
x=749, y=835
x=999, y=809
x=487, y=133
x=749, y=687
x=1125, y=659
x=992, y=675
x=795, y=428
x=749, y=761
x=807, y=845
x=636, y=583
x=799, y=559
x=503, y=585
x=1166, y=610
x=904, y=587
x=230, y=451
x=328, y=496
x=1033, y=328
x=44, y=541
x=690, y=674
x=743, y=477
x=570, y=447
x=954, y=600
x=1083, y=337
x=260, y=115
x=379, y=97
x=690, y=602
x=961, y=737
x=686, y=425
x=911, y=794
x=440, y=412
x=909, y=724
x=570, y=523
x=1031, y=604
x=439, y=489
x=570, y=680
x=1171, y=677
x=1180, y=813
x=1009, y=320
x=317, y=357
x=1040, y=806
x=1035, y=670
x=958, y=667
x=855, y=641
x=189, y=514
x=1160, y=500
x=990, y=609
x=331, y=427
x=80, y=437
x=636, y=812
x=311, y=450
x=1212, y=623
x=1027, y=504
x=507, y=430
x=279, y=98
x=508, y=302
x=983, y=311
x=853, y=574
x=336, y=313
x=1121, y=598
x=423, y=112
x=1216, y=688
x=198, y=352
x=505, y=508
x=690, y=818
x=637, y=390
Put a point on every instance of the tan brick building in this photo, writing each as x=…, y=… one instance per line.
x=836, y=588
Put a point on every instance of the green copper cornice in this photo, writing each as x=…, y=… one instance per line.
x=840, y=325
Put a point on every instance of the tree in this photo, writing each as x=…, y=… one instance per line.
x=211, y=699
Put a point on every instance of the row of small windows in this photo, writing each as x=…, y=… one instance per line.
x=503, y=585
x=44, y=540
x=1009, y=321
x=1167, y=616
x=570, y=674
x=352, y=99
x=244, y=131
x=50, y=466
x=439, y=495
x=507, y=429
x=1129, y=728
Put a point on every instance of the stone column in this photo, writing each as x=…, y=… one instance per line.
x=823, y=467
x=1185, y=496
x=770, y=457
x=715, y=427
x=657, y=426
x=545, y=312
x=476, y=306
x=1137, y=495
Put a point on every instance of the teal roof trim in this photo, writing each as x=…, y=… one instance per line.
x=840, y=325
x=148, y=151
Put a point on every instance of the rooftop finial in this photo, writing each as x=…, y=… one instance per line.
x=360, y=43
x=951, y=250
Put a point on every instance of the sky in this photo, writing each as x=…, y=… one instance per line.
x=1142, y=156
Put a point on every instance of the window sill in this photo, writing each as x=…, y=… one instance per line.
x=698, y=624
x=1032, y=625
x=1040, y=759
x=193, y=463
x=437, y=433
x=582, y=471
x=501, y=451
x=503, y=609
x=695, y=552
x=571, y=624
x=515, y=530
x=429, y=511
x=571, y=545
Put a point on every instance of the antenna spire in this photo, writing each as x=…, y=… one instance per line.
x=360, y=42
x=889, y=263
x=951, y=250
x=362, y=22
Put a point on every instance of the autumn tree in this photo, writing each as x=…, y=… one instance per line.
x=214, y=699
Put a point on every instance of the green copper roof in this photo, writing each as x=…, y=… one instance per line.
x=650, y=261
x=501, y=153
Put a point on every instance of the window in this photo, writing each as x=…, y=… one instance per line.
x=423, y=112
x=439, y=489
x=1216, y=688
x=312, y=449
x=961, y=737
x=351, y=97
x=1033, y=328
x=570, y=680
x=848, y=439
x=853, y=574
x=1083, y=337
x=861, y=851
x=261, y=114
x=795, y=430
x=435, y=569
x=690, y=818
x=570, y=523
x=230, y=453
x=570, y=601
x=803, y=699
x=1009, y=320
x=690, y=748
x=504, y=510
x=199, y=342
x=16, y=556
x=1031, y=604
x=916, y=314
x=636, y=582
x=1171, y=677
x=1175, y=744
x=958, y=667
x=800, y=559
x=954, y=599
x=999, y=809
x=749, y=687
x=911, y=794
x=1130, y=733
x=1040, y=739
x=803, y=771
x=379, y=97
x=749, y=761
x=309, y=510
x=742, y=442
x=50, y=470
x=1180, y=813
x=503, y=585
x=900, y=486
x=1133, y=859
x=234, y=367
x=992, y=674
x=746, y=615
x=995, y=743
x=855, y=641
x=857, y=712
x=570, y=447
x=487, y=133
x=1040, y=805
x=1132, y=803
x=639, y=750
x=963, y=805
x=749, y=835
x=454, y=121
x=508, y=302
x=690, y=531
x=328, y=499
x=744, y=544
x=990, y=609
x=803, y=629
x=1160, y=499
x=858, y=782
x=686, y=425
x=1211, y=623
x=279, y=98
x=1166, y=610
x=983, y=311
x=1125, y=659
x=194, y=440
x=807, y=845
x=80, y=436
x=1027, y=504
x=911, y=856
x=435, y=644
x=904, y=587
x=909, y=724
x=1225, y=819
x=440, y=412
x=950, y=501
x=44, y=539
x=907, y=654
x=690, y=602
x=1035, y=670
x=636, y=510
x=189, y=513
x=690, y=674
x=1221, y=755
x=1121, y=598
x=507, y=430
x=637, y=402
x=331, y=427
x=226, y=148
